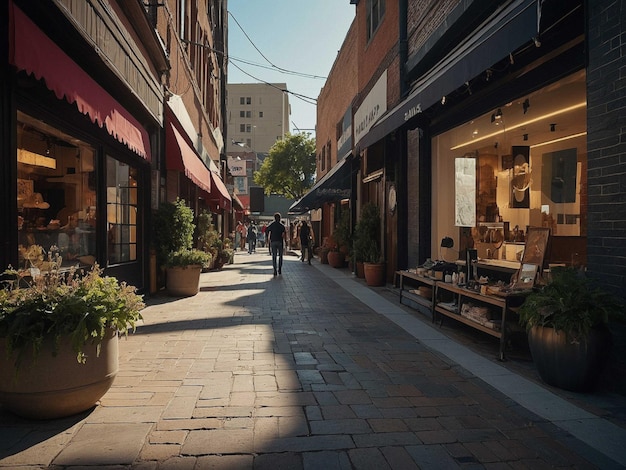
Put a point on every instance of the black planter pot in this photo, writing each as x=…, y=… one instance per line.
x=567, y=365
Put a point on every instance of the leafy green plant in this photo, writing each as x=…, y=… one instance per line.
x=183, y=258
x=366, y=247
x=342, y=233
x=209, y=239
x=83, y=306
x=173, y=228
x=571, y=303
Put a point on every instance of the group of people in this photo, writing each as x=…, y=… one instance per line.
x=275, y=234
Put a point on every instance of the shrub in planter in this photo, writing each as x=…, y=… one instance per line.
x=567, y=329
x=66, y=316
x=183, y=271
x=366, y=246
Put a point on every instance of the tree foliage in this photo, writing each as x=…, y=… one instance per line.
x=289, y=167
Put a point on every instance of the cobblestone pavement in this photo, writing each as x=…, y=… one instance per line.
x=309, y=369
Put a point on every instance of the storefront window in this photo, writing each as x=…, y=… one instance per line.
x=122, y=194
x=56, y=197
x=530, y=168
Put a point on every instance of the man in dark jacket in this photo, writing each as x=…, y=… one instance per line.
x=276, y=235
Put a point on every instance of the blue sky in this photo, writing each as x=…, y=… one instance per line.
x=302, y=36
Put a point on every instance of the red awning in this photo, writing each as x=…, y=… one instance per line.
x=182, y=157
x=219, y=193
x=32, y=51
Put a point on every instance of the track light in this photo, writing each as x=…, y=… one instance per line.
x=443, y=99
x=497, y=115
x=553, y=127
x=526, y=105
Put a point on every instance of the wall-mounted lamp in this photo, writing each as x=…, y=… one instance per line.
x=447, y=242
x=526, y=105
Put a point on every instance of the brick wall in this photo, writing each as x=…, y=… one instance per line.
x=423, y=18
x=336, y=97
x=606, y=142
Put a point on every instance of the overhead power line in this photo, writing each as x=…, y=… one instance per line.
x=306, y=99
x=273, y=66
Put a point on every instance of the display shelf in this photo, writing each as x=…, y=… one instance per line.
x=463, y=295
x=409, y=280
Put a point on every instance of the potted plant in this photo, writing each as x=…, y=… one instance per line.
x=342, y=237
x=209, y=240
x=567, y=329
x=173, y=233
x=367, y=245
x=59, y=338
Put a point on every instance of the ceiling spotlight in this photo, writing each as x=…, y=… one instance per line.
x=552, y=127
x=499, y=114
x=443, y=99
x=525, y=105
x=525, y=137
x=537, y=41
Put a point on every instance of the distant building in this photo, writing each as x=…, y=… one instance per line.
x=257, y=116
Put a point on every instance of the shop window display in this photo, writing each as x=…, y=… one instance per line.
x=530, y=159
x=56, y=197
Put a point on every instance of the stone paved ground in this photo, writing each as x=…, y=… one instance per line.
x=290, y=372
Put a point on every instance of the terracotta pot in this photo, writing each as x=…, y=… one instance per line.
x=374, y=274
x=183, y=281
x=360, y=270
x=50, y=386
x=562, y=364
x=336, y=259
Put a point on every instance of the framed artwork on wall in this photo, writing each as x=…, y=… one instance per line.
x=536, y=245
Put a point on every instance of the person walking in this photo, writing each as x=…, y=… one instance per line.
x=305, y=241
x=251, y=237
x=243, y=231
x=276, y=234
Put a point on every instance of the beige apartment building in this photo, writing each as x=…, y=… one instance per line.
x=257, y=116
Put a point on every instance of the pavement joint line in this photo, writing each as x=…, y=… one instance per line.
x=596, y=432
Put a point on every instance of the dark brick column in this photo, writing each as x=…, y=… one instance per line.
x=606, y=141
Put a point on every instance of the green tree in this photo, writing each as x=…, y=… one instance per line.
x=289, y=167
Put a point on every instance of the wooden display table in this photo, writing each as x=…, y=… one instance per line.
x=459, y=296
x=409, y=278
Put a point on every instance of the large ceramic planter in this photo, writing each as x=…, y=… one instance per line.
x=562, y=364
x=374, y=274
x=183, y=281
x=336, y=259
x=56, y=386
x=324, y=255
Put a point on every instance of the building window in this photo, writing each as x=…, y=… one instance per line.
x=242, y=128
x=242, y=100
x=248, y=100
x=375, y=13
x=56, y=196
x=260, y=114
x=248, y=128
x=242, y=114
x=122, y=208
x=248, y=114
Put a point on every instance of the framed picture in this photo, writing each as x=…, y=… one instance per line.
x=536, y=245
x=526, y=277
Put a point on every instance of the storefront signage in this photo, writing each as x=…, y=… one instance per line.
x=413, y=111
x=373, y=107
x=236, y=167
